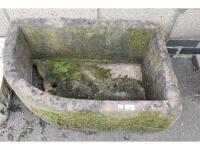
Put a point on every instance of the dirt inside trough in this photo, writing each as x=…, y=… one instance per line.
x=91, y=79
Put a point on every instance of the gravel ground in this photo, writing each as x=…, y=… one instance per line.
x=23, y=125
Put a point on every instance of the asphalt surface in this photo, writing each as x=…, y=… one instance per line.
x=23, y=125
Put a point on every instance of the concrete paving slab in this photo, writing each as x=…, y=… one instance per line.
x=187, y=25
x=162, y=16
x=51, y=13
x=7, y=15
x=4, y=24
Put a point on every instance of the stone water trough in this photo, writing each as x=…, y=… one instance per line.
x=94, y=75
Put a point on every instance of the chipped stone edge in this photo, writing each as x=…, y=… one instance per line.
x=4, y=94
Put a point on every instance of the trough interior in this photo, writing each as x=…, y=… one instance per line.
x=90, y=80
x=88, y=56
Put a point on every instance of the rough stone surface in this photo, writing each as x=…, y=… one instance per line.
x=3, y=100
x=91, y=80
x=133, y=71
x=89, y=39
x=69, y=112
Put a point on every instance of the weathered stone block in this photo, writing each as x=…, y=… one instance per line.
x=94, y=40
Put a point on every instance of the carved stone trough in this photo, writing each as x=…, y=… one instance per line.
x=94, y=40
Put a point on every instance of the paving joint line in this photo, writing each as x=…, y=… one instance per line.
x=177, y=14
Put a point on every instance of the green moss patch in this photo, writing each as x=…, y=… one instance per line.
x=85, y=80
x=101, y=73
x=144, y=122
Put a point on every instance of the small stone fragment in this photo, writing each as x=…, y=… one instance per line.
x=196, y=62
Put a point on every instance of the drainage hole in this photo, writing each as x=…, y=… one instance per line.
x=53, y=84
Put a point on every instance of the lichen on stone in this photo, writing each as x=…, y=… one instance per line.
x=94, y=42
x=28, y=129
x=143, y=122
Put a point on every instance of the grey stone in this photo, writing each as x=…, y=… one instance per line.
x=3, y=108
x=4, y=101
x=187, y=128
x=31, y=41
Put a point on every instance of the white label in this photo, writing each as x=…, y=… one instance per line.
x=120, y=106
x=129, y=107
